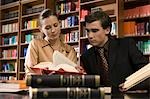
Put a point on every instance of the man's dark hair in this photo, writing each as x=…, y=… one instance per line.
x=99, y=16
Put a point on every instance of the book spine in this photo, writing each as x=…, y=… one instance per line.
x=37, y=81
x=66, y=93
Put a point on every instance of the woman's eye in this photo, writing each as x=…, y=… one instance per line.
x=55, y=25
x=47, y=28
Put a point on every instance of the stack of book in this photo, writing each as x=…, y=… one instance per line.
x=73, y=86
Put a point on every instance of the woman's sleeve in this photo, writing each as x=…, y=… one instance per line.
x=31, y=57
x=72, y=55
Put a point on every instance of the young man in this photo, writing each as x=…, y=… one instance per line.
x=121, y=57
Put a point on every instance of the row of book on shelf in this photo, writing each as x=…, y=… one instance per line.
x=12, y=40
x=10, y=53
x=134, y=28
x=66, y=7
x=9, y=67
x=13, y=27
x=144, y=46
x=34, y=9
x=141, y=11
x=70, y=21
x=72, y=37
x=7, y=1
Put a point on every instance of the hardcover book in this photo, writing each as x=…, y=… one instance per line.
x=66, y=93
x=141, y=77
x=43, y=81
x=61, y=64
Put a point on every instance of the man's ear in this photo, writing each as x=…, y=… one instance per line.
x=107, y=30
x=60, y=23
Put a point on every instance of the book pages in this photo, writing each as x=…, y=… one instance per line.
x=59, y=58
x=137, y=77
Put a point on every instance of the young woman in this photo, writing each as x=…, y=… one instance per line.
x=41, y=50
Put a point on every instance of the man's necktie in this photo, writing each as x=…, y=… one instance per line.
x=105, y=67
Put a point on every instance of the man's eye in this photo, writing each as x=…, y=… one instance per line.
x=94, y=30
x=87, y=30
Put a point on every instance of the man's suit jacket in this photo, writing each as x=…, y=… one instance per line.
x=124, y=58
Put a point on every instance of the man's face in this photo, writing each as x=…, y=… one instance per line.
x=96, y=34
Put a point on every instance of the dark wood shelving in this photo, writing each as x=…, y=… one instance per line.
x=72, y=43
x=138, y=36
x=24, y=30
x=27, y=1
x=69, y=13
x=31, y=15
x=137, y=18
x=11, y=19
x=6, y=59
x=10, y=5
x=9, y=33
x=95, y=3
x=2, y=46
x=24, y=44
x=22, y=58
x=8, y=72
x=72, y=27
x=135, y=3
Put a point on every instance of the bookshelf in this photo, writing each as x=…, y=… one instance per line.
x=137, y=16
x=68, y=12
x=9, y=31
x=19, y=25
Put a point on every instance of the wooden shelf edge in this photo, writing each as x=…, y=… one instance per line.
x=8, y=45
x=10, y=5
x=8, y=59
x=30, y=15
x=27, y=1
x=71, y=12
x=11, y=19
x=90, y=2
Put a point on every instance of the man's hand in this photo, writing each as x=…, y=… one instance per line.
x=121, y=88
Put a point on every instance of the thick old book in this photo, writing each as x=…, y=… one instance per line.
x=39, y=81
x=140, y=79
x=12, y=85
x=66, y=93
x=60, y=64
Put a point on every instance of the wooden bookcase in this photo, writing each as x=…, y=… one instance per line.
x=137, y=16
x=9, y=35
x=68, y=12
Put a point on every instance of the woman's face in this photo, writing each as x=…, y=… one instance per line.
x=50, y=26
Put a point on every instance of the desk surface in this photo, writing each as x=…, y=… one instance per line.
x=107, y=96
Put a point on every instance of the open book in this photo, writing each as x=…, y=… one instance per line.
x=60, y=64
x=138, y=77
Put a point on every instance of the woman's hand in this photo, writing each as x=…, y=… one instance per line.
x=80, y=69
